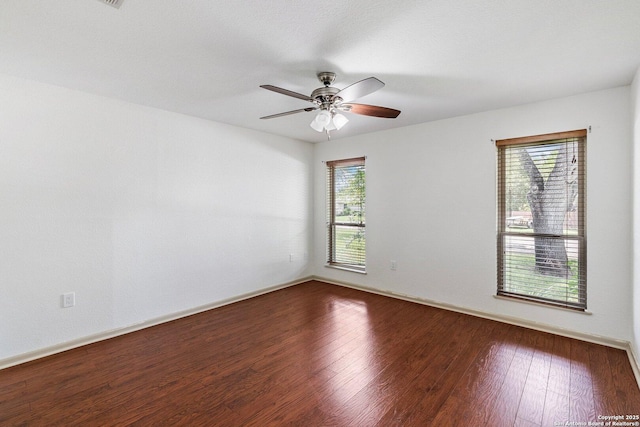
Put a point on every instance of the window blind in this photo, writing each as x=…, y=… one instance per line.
x=541, y=237
x=346, y=213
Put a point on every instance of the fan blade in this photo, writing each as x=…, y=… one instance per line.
x=370, y=110
x=360, y=89
x=287, y=92
x=273, y=116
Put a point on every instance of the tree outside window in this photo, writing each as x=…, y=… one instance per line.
x=541, y=228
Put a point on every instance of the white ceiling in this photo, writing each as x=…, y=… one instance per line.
x=438, y=58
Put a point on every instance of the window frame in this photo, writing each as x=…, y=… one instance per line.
x=332, y=223
x=580, y=138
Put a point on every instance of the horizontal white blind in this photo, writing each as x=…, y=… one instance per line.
x=346, y=213
x=541, y=227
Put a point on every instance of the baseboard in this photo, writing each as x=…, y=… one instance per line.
x=633, y=359
x=101, y=336
x=543, y=327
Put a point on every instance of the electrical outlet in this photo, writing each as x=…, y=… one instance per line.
x=394, y=264
x=290, y=257
x=68, y=299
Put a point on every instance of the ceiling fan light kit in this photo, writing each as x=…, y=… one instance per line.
x=332, y=101
x=327, y=121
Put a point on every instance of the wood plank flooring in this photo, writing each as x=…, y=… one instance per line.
x=322, y=355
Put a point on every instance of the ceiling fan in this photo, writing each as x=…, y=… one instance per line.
x=331, y=102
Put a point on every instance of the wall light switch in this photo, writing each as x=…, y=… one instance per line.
x=68, y=299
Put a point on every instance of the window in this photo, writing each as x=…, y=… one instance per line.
x=541, y=227
x=346, y=214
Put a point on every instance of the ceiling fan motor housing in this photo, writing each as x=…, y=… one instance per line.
x=325, y=96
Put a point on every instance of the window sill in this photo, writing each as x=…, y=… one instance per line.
x=540, y=304
x=351, y=269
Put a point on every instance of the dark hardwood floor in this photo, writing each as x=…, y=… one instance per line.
x=322, y=355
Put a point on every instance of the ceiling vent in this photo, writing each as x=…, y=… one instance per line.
x=114, y=3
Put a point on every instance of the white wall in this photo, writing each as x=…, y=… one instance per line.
x=140, y=212
x=431, y=205
x=635, y=108
x=144, y=213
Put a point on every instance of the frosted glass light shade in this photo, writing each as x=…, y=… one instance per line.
x=315, y=125
x=324, y=118
x=330, y=126
x=339, y=120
